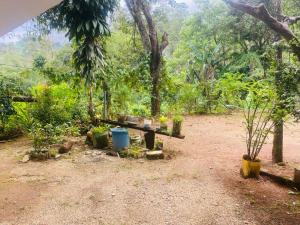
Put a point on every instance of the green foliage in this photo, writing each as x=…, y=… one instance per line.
x=86, y=22
x=100, y=130
x=287, y=81
x=231, y=89
x=44, y=135
x=177, y=119
x=14, y=117
x=140, y=110
x=260, y=114
x=6, y=108
x=39, y=62
x=55, y=104
x=216, y=61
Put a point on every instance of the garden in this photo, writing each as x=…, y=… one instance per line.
x=152, y=112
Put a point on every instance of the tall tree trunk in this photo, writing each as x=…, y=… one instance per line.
x=277, y=151
x=141, y=13
x=155, y=96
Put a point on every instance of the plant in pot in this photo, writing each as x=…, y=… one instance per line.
x=122, y=118
x=163, y=123
x=100, y=137
x=259, y=115
x=177, y=123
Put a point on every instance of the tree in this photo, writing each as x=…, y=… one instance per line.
x=86, y=23
x=280, y=24
x=141, y=13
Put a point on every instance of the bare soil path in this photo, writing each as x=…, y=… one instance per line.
x=200, y=186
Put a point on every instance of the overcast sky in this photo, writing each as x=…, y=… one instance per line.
x=186, y=1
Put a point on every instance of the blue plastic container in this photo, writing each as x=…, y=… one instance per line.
x=120, y=138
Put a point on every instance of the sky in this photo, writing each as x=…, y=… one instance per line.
x=20, y=32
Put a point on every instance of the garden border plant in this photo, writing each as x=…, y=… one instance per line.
x=259, y=114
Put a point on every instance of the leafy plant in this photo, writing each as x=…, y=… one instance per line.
x=178, y=119
x=55, y=105
x=177, y=123
x=6, y=107
x=100, y=130
x=44, y=136
x=259, y=115
x=163, y=119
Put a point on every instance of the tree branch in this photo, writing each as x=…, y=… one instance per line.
x=135, y=11
x=151, y=26
x=260, y=12
x=23, y=99
x=164, y=42
x=290, y=20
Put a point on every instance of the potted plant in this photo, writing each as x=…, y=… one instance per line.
x=100, y=137
x=177, y=122
x=121, y=118
x=163, y=123
x=259, y=121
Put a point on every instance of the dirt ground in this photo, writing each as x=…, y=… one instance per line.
x=201, y=185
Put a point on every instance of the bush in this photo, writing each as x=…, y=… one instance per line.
x=99, y=130
x=55, y=105
x=259, y=116
x=44, y=136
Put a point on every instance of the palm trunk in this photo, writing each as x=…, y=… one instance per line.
x=91, y=107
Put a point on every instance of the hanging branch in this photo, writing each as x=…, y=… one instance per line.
x=260, y=12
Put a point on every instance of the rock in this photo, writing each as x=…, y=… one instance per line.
x=281, y=164
x=65, y=148
x=57, y=156
x=25, y=159
x=89, y=138
x=112, y=153
x=96, y=153
x=154, y=155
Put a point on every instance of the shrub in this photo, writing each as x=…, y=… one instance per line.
x=178, y=119
x=55, y=104
x=259, y=114
x=100, y=130
x=44, y=136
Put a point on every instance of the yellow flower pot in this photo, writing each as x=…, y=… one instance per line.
x=250, y=168
x=255, y=168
